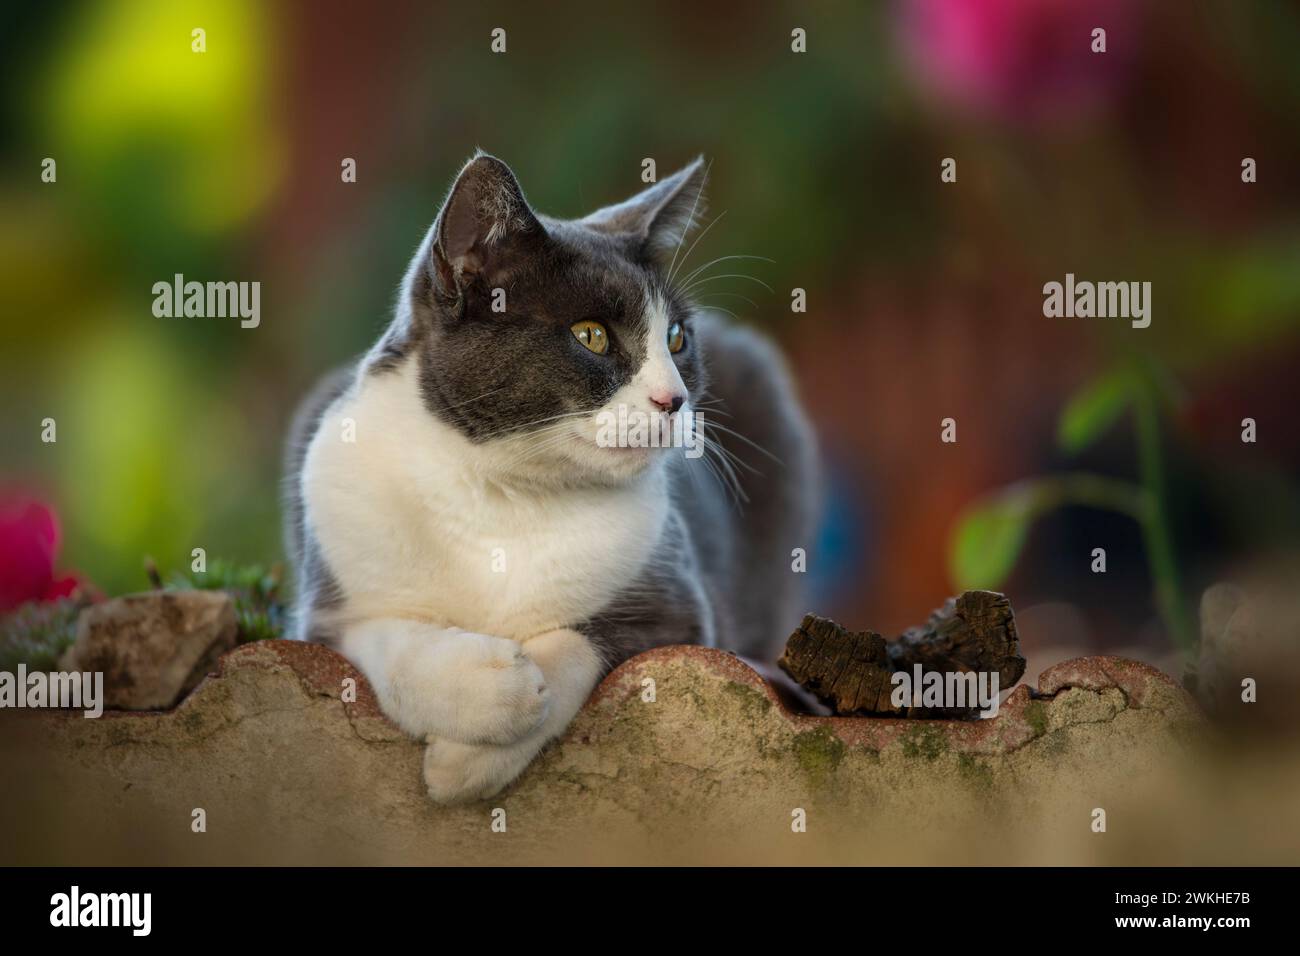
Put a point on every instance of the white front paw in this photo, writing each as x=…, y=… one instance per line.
x=471, y=688
x=458, y=773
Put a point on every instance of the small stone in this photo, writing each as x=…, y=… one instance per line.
x=1250, y=632
x=1218, y=604
x=154, y=647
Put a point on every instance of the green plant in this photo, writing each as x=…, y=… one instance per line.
x=990, y=534
x=37, y=633
x=256, y=591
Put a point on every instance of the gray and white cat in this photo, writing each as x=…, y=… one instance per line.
x=459, y=531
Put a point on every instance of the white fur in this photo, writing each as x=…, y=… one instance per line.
x=456, y=771
x=658, y=374
x=468, y=687
x=409, y=518
x=414, y=521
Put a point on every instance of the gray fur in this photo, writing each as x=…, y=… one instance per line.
x=725, y=566
x=722, y=573
x=315, y=584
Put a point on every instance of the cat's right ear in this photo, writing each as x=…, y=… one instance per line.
x=483, y=222
x=661, y=215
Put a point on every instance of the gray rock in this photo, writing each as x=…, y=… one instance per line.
x=1250, y=632
x=153, y=648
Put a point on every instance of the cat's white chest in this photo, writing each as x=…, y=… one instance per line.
x=408, y=532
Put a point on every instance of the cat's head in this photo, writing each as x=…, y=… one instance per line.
x=533, y=334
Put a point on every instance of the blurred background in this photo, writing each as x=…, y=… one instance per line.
x=924, y=297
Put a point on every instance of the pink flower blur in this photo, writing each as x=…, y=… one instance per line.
x=29, y=544
x=1017, y=59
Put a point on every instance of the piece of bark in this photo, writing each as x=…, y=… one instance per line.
x=851, y=671
x=973, y=632
x=848, y=671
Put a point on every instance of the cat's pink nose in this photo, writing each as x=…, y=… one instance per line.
x=667, y=401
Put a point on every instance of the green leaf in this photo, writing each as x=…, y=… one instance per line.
x=1159, y=382
x=988, y=540
x=1094, y=409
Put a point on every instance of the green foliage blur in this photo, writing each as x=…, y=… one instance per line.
x=37, y=634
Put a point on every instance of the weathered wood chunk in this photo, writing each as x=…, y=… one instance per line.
x=850, y=671
x=847, y=670
x=973, y=632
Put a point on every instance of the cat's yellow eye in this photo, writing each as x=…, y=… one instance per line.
x=676, y=337
x=591, y=335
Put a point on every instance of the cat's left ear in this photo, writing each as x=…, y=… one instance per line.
x=483, y=224
x=661, y=215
